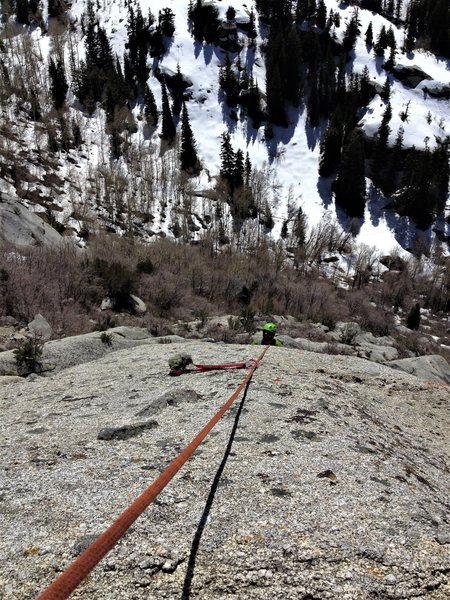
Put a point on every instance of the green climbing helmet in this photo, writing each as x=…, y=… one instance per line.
x=270, y=327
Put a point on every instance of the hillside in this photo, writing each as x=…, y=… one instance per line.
x=89, y=159
x=335, y=485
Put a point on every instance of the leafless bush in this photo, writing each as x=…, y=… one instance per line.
x=50, y=281
x=348, y=333
x=378, y=321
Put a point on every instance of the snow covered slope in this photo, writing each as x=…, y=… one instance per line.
x=291, y=157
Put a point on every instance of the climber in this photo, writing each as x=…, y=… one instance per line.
x=268, y=336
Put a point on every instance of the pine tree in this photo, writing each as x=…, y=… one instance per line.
x=293, y=74
x=229, y=82
x=330, y=150
x=369, y=35
x=252, y=33
x=299, y=228
x=380, y=162
x=413, y=318
x=247, y=170
x=439, y=27
x=351, y=33
x=150, y=109
x=350, y=185
x=55, y=8
x=385, y=93
x=23, y=11
x=238, y=170
x=188, y=154
x=168, y=128
x=157, y=47
x=381, y=43
x=167, y=22
x=366, y=90
x=321, y=15
x=58, y=83
x=227, y=157
x=77, y=138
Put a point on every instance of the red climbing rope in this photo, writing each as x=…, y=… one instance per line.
x=70, y=579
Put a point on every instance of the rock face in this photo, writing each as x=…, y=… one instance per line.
x=410, y=76
x=40, y=328
x=21, y=227
x=431, y=368
x=328, y=479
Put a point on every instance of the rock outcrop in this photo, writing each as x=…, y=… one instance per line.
x=21, y=227
x=328, y=479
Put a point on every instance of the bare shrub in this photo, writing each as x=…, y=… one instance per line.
x=166, y=293
x=378, y=321
x=50, y=281
x=348, y=333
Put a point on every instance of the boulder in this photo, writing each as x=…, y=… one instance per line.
x=139, y=307
x=133, y=304
x=107, y=304
x=39, y=327
x=410, y=76
x=436, y=89
x=430, y=368
x=22, y=227
x=311, y=346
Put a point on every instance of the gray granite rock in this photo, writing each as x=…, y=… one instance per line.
x=430, y=368
x=39, y=327
x=330, y=482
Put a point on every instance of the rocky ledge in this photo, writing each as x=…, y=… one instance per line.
x=328, y=479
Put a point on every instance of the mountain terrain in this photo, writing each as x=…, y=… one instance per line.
x=172, y=175
x=87, y=156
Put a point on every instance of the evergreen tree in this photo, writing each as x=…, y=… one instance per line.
x=168, y=128
x=380, y=162
x=188, y=154
x=385, y=93
x=305, y=10
x=77, y=138
x=293, y=88
x=369, y=35
x=238, y=170
x=350, y=185
x=177, y=86
x=157, y=47
x=384, y=129
x=167, y=22
x=365, y=90
x=23, y=11
x=321, y=15
x=227, y=157
x=312, y=106
x=247, y=170
x=275, y=100
x=299, y=228
x=381, y=43
x=150, y=109
x=413, y=318
x=58, y=83
x=330, y=150
x=56, y=8
x=252, y=33
x=229, y=82
x=351, y=32
x=439, y=27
